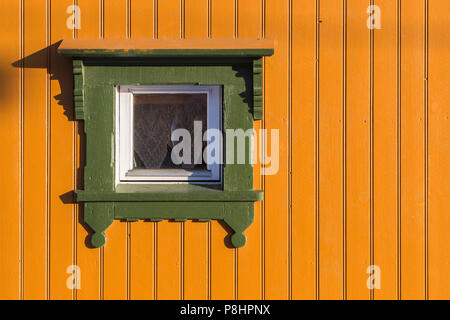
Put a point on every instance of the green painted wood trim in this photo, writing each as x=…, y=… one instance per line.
x=78, y=90
x=99, y=216
x=258, y=89
x=232, y=202
x=176, y=53
x=239, y=216
x=166, y=61
x=193, y=196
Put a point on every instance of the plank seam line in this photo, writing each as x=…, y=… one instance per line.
x=372, y=137
x=75, y=185
x=128, y=223
x=263, y=177
x=102, y=250
x=21, y=148
x=155, y=260
x=236, y=257
x=209, y=8
x=236, y=26
x=182, y=224
x=289, y=89
x=101, y=20
x=209, y=260
x=182, y=19
x=155, y=224
x=128, y=257
x=48, y=151
x=316, y=147
x=182, y=257
x=155, y=19
x=399, y=149
x=426, y=28
x=344, y=150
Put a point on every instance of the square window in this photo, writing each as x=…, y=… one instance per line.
x=147, y=119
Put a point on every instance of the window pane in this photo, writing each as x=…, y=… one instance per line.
x=155, y=117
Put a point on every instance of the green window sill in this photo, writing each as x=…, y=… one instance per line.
x=168, y=193
x=174, y=202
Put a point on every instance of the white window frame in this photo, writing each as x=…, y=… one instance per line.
x=124, y=172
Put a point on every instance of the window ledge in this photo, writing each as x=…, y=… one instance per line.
x=168, y=193
x=167, y=48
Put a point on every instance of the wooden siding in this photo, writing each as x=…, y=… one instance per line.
x=364, y=156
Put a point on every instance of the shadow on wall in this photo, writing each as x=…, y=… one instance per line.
x=60, y=68
x=7, y=81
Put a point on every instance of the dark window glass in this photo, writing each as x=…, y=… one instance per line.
x=155, y=117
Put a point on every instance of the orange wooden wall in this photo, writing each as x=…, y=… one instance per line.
x=364, y=156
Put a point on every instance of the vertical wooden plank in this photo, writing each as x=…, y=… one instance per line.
x=196, y=258
x=222, y=16
x=142, y=262
x=223, y=277
x=115, y=262
x=303, y=127
x=168, y=261
x=169, y=249
x=196, y=234
x=10, y=144
x=413, y=147
x=90, y=19
x=222, y=264
x=249, y=258
x=249, y=19
x=62, y=157
x=196, y=19
x=358, y=153
x=169, y=17
x=385, y=150
x=88, y=259
x=114, y=21
x=116, y=251
x=330, y=151
x=412, y=151
x=142, y=253
x=438, y=151
x=142, y=19
x=35, y=147
x=276, y=185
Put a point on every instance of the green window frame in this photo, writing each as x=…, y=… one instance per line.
x=96, y=75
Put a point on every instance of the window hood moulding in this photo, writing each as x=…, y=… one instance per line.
x=134, y=48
